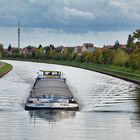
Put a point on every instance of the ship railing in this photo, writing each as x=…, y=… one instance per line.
x=52, y=100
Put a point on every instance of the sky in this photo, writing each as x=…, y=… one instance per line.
x=68, y=22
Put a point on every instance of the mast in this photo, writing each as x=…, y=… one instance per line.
x=18, y=35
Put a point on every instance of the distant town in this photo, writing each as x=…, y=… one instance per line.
x=79, y=50
x=127, y=55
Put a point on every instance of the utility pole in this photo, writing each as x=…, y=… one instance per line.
x=18, y=35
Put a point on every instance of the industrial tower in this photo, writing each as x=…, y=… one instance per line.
x=18, y=35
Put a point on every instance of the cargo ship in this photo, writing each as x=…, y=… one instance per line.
x=50, y=91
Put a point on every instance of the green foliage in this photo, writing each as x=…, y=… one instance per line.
x=85, y=57
x=130, y=44
x=57, y=56
x=78, y=58
x=1, y=50
x=0, y=55
x=97, y=56
x=51, y=53
x=72, y=56
x=4, y=69
x=65, y=54
x=120, y=58
x=134, y=61
x=40, y=46
x=136, y=35
x=9, y=47
x=39, y=53
x=130, y=39
x=1, y=47
x=108, y=55
x=117, y=45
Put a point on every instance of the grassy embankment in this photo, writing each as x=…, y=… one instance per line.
x=116, y=71
x=4, y=68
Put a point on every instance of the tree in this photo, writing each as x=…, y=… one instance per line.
x=108, y=55
x=1, y=47
x=97, y=56
x=52, y=46
x=78, y=58
x=65, y=54
x=39, y=52
x=9, y=47
x=51, y=53
x=1, y=50
x=134, y=61
x=57, y=56
x=117, y=45
x=0, y=55
x=40, y=46
x=72, y=56
x=46, y=50
x=70, y=53
x=130, y=44
x=120, y=58
x=85, y=57
x=136, y=35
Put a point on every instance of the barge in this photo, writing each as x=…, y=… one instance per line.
x=50, y=91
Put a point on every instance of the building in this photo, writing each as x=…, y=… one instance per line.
x=86, y=47
x=123, y=46
x=28, y=50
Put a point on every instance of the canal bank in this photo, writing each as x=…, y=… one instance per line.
x=5, y=68
x=126, y=74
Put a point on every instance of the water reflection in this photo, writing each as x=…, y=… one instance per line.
x=51, y=115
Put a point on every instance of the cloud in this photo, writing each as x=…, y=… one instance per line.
x=78, y=13
x=72, y=15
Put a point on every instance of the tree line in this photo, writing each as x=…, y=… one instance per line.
x=127, y=57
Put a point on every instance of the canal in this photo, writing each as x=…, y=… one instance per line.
x=109, y=107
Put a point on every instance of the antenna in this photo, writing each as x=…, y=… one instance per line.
x=18, y=35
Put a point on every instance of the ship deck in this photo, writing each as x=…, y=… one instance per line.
x=51, y=88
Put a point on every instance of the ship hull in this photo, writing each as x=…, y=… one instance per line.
x=61, y=106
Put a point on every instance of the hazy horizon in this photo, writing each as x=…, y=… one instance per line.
x=45, y=36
